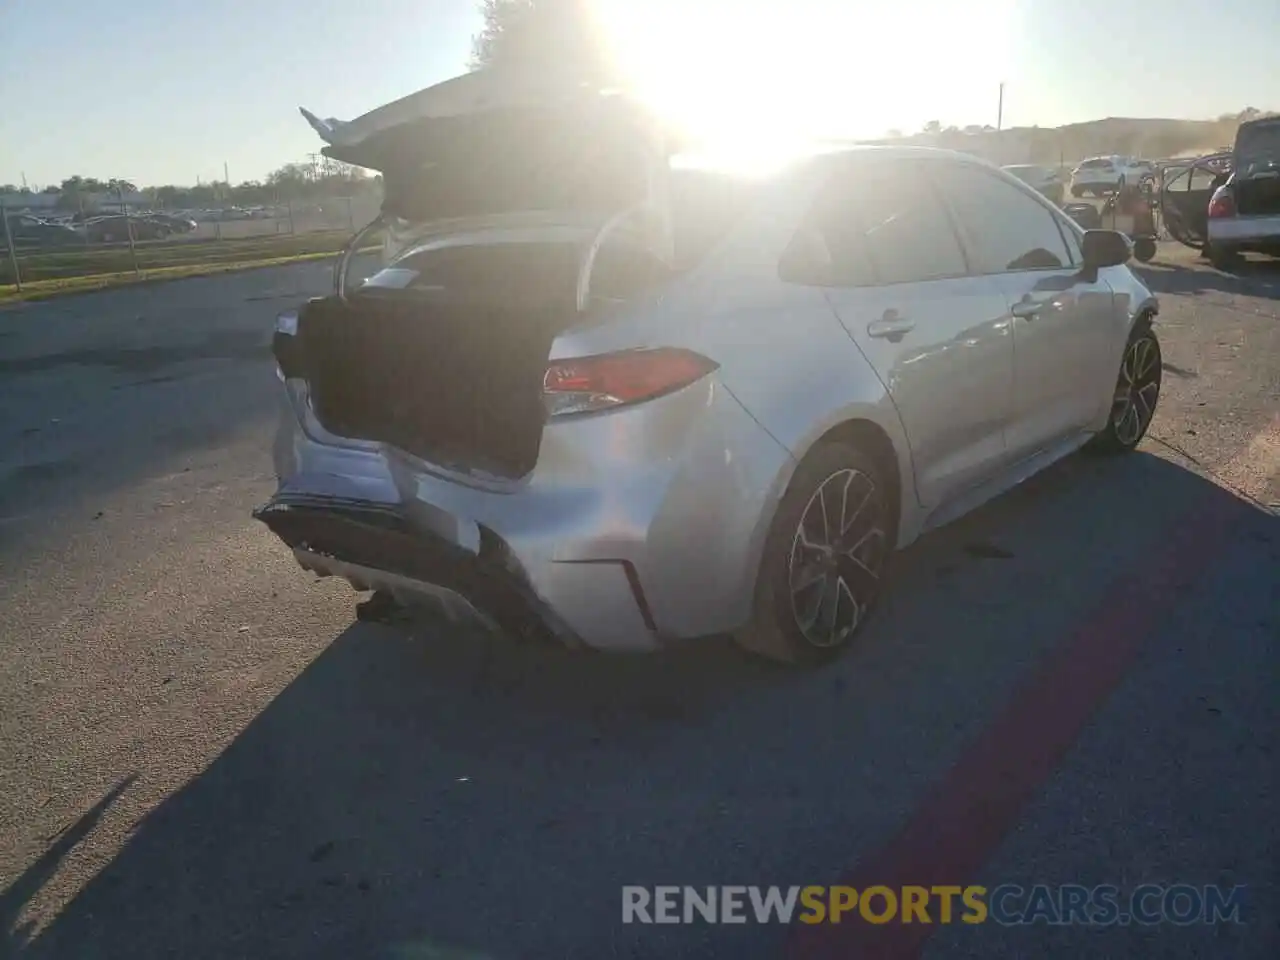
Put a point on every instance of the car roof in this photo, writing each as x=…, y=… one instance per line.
x=821, y=152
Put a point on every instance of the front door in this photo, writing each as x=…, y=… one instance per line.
x=1065, y=330
x=937, y=337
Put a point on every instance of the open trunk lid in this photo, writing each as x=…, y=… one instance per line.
x=506, y=143
x=499, y=192
x=1256, y=161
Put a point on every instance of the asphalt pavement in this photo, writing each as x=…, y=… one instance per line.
x=203, y=755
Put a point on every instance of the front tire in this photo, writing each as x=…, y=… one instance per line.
x=825, y=558
x=1137, y=392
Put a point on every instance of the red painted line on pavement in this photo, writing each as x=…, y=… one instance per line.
x=966, y=816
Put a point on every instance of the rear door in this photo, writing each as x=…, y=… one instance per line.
x=937, y=337
x=1064, y=326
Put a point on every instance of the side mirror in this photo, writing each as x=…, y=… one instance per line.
x=1105, y=248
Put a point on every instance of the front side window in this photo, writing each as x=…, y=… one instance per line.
x=1008, y=229
x=884, y=224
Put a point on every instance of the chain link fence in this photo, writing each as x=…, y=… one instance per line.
x=40, y=251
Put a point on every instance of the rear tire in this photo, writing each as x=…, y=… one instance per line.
x=1222, y=258
x=825, y=558
x=1137, y=392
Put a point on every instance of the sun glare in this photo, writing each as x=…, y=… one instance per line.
x=756, y=79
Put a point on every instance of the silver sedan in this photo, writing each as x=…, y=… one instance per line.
x=544, y=423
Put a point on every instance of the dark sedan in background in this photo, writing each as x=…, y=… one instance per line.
x=28, y=231
x=111, y=229
x=176, y=223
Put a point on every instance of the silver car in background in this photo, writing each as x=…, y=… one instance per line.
x=624, y=401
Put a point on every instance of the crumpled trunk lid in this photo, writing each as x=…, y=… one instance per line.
x=503, y=143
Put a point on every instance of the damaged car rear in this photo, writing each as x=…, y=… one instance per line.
x=492, y=421
x=1244, y=211
x=624, y=398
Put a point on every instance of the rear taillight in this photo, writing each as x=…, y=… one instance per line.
x=587, y=384
x=284, y=346
x=1223, y=204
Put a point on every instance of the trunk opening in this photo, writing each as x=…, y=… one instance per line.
x=1258, y=195
x=1257, y=168
x=450, y=369
x=458, y=384
x=446, y=359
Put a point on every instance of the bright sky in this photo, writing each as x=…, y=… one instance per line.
x=165, y=91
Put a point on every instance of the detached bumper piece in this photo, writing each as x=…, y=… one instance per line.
x=374, y=547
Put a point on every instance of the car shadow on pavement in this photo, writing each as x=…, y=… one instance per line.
x=406, y=792
x=1253, y=278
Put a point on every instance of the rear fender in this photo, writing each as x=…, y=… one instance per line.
x=880, y=415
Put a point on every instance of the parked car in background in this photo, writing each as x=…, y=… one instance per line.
x=1244, y=211
x=1102, y=175
x=113, y=229
x=572, y=403
x=1044, y=180
x=29, y=231
x=175, y=222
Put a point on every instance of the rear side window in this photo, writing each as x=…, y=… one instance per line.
x=885, y=225
x=1008, y=229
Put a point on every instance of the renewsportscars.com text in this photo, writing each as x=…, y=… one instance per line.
x=1007, y=904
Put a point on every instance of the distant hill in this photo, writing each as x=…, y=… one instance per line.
x=1152, y=138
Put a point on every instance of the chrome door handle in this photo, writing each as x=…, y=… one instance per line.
x=892, y=327
x=1027, y=309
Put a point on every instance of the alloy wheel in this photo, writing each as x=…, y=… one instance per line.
x=837, y=557
x=1137, y=391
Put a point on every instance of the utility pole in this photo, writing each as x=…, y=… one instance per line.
x=226, y=177
x=1000, y=109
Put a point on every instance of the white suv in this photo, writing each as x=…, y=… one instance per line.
x=1099, y=175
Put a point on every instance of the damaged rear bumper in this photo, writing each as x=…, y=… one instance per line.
x=1246, y=232
x=377, y=546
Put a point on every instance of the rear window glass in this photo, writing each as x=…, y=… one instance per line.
x=1263, y=138
x=705, y=206
x=1095, y=164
